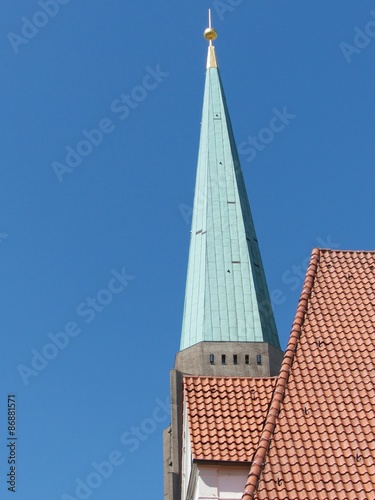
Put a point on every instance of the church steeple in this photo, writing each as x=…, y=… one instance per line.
x=227, y=297
x=228, y=325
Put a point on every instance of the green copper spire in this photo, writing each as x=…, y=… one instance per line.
x=226, y=296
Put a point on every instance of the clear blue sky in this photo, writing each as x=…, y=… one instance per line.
x=122, y=208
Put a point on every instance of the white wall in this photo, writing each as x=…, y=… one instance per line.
x=186, y=455
x=223, y=482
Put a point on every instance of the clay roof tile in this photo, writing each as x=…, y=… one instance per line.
x=233, y=429
x=325, y=431
x=310, y=432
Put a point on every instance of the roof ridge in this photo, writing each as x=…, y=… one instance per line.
x=233, y=377
x=282, y=380
x=331, y=250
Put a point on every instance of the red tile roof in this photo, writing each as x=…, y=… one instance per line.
x=310, y=434
x=323, y=443
x=226, y=416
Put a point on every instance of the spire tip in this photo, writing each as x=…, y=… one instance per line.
x=210, y=33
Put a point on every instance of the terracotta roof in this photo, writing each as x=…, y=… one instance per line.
x=321, y=423
x=310, y=433
x=226, y=416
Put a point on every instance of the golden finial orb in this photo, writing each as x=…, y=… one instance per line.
x=210, y=34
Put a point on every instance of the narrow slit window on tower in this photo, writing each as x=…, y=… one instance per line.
x=212, y=359
x=235, y=359
x=247, y=359
x=223, y=359
x=259, y=359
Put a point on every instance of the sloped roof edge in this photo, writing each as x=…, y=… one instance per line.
x=270, y=424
